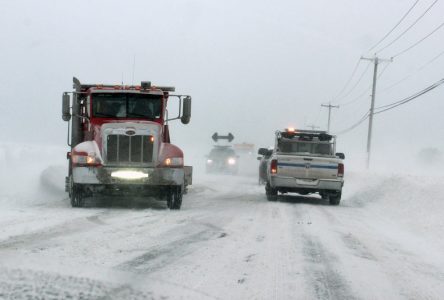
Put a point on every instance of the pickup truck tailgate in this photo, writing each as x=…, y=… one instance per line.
x=307, y=167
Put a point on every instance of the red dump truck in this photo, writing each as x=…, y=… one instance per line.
x=120, y=142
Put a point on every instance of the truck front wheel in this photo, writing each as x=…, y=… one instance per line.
x=77, y=196
x=174, y=197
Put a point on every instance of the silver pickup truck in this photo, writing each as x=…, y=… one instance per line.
x=305, y=162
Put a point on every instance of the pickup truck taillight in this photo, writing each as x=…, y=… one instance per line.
x=273, y=166
x=340, y=170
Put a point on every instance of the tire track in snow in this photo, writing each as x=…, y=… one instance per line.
x=357, y=247
x=29, y=284
x=401, y=268
x=351, y=241
x=158, y=257
x=96, y=219
x=74, y=226
x=323, y=276
x=278, y=248
x=320, y=266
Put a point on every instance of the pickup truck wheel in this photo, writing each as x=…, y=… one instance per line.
x=77, y=196
x=335, y=199
x=270, y=192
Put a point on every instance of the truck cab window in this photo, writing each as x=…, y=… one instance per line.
x=143, y=106
x=118, y=105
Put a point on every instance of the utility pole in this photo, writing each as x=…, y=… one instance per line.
x=329, y=112
x=376, y=60
x=313, y=127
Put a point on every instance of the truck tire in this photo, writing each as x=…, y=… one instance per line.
x=77, y=196
x=270, y=192
x=335, y=199
x=174, y=198
x=261, y=181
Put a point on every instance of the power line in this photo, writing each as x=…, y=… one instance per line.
x=319, y=114
x=376, y=61
x=312, y=126
x=329, y=106
x=420, y=41
x=364, y=117
x=315, y=120
x=354, y=71
x=395, y=84
x=411, y=74
x=366, y=90
x=357, y=82
x=349, y=80
x=390, y=106
x=408, y=28
x=397, y=24
x=360, y=96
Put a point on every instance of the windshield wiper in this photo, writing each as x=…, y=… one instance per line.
x=104, y=115
x=139, y=115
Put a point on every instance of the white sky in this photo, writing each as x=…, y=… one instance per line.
x=251, y=66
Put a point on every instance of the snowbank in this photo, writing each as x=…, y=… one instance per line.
x=31, y=174
x=414, y=202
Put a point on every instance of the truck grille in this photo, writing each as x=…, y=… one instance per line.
x=129, y=149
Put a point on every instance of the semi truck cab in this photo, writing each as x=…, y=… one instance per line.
x=120, y=142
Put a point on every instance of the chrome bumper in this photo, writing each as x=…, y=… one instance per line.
x=103, y=176
x=300, y=183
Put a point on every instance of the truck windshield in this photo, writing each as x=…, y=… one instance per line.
x=306, y=147
x=130, y=105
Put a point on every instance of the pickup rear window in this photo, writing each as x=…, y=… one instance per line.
x=305, y=147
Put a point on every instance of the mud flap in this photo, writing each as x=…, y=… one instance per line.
x=188, y=173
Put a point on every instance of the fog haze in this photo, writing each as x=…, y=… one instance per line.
x=251, y=67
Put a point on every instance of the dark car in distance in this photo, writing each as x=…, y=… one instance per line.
x=222, y=159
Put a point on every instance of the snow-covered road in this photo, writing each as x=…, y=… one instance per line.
x=383, y=242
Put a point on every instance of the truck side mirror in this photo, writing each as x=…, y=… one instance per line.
x=340, y=155
x=66, y=115
x=262, y=151
x=186, y=115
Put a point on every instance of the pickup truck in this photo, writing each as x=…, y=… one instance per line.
x=305, y=162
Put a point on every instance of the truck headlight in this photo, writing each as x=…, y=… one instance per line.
x=231, y=161
x=129, y=174
x=209, y=161
x=86, y=159
x=174, y=162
